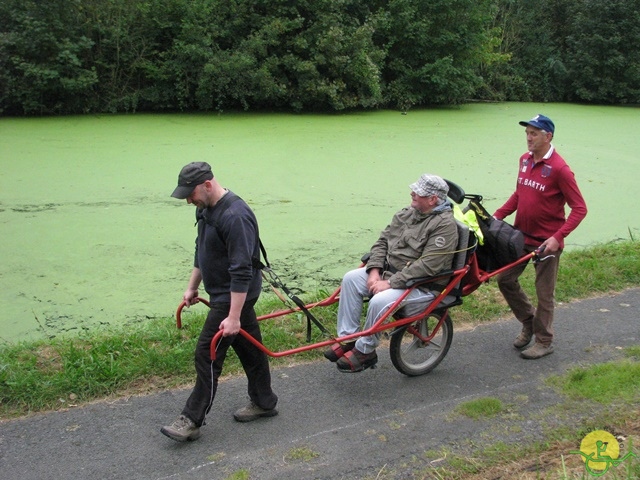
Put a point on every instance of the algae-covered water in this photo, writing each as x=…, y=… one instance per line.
x=90, y=235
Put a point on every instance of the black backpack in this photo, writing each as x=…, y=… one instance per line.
x=503, y=244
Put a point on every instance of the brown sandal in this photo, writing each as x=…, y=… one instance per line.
x=356, y=361
x=338, y=350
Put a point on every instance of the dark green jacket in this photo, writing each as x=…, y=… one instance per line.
x=415, y=245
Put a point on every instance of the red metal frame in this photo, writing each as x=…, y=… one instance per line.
x=471, y=275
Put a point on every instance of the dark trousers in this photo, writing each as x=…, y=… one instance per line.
x=538, y=320
x=254, y=362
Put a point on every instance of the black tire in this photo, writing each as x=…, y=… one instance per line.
x=412, y=356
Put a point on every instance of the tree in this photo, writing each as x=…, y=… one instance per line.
x=43, y=59
x=130, y=38
x=603, y=52
x=434, y=49
x=278, y=54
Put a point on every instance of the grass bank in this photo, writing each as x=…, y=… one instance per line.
x=597, y=398
x=65, y=371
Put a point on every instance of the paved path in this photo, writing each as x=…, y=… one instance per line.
x=354, y=425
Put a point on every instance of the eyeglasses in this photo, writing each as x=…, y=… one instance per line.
x=414, y=194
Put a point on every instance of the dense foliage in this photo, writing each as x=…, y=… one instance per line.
x=568, y=50
x=77, y=56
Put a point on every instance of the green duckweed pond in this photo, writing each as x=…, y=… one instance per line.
x=91, y=236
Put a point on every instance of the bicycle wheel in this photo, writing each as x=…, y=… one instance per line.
x=412, y=356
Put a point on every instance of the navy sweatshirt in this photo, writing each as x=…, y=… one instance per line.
x=226, y=246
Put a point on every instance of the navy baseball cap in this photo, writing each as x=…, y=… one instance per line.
x=541, y=122
x=190, y=177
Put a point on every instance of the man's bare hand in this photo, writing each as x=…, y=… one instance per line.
x=380, y=286
x=230, y=326
x=190, y=297
x=373, y=278
x=550, y=245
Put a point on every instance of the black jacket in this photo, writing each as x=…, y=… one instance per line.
x=226, y=246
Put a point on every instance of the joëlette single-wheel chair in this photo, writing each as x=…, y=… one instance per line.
x=417, y=343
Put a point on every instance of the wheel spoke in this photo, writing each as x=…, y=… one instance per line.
x=412, y=347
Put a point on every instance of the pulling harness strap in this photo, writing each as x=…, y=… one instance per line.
x=275, y=281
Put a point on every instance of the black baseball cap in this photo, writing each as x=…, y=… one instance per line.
x=190, y=177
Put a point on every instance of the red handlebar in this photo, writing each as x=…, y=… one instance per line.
x=182, y=305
